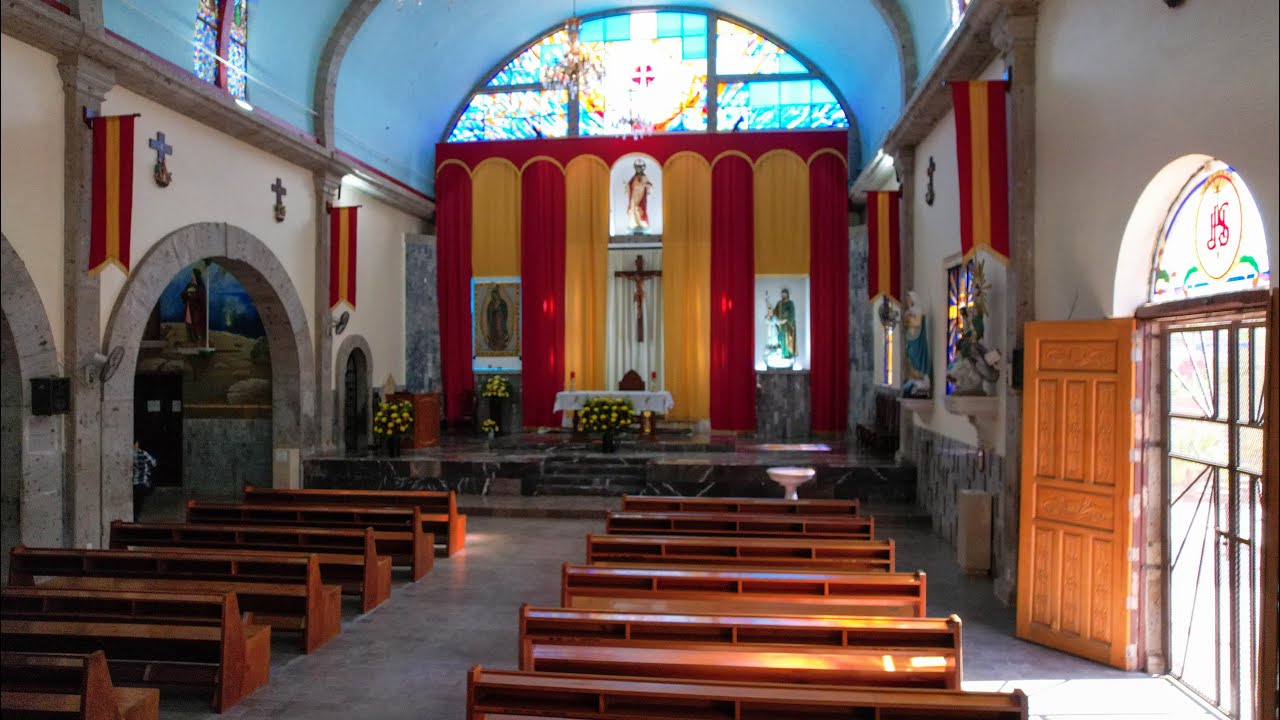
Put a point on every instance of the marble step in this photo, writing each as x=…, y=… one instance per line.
x=593, y=470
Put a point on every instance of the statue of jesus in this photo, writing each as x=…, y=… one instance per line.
x=637, y=189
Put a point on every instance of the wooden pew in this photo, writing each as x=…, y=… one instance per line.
x=754, y=506
x=508, y=694
x=758, y=591
x=739, y=524
x=410, y=546
x=153, y=638
x=440, y=514
x=57, y=685
x=925, y=651
x=722, y=551
x=284, y=592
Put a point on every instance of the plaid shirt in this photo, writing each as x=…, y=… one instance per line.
x=143, y=463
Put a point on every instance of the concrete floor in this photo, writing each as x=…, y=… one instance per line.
x=408, y=658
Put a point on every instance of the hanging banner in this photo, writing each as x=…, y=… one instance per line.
x=884, y=276
x=112, y=192
x=982, y=156
x=342, y=256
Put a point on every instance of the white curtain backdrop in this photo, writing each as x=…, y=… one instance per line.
x=622, y=352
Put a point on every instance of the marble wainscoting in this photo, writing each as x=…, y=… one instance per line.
x=783, y=405
x=223, y=455
x=944, y=467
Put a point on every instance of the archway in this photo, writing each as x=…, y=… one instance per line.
x=32, y=473
x=283, y=318
x=353, y=382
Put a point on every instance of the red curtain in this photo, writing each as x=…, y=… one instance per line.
x=542, y=242
x=453, y=281
x=733, y=383
x=829, y=292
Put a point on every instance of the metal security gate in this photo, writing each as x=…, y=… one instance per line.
x=1214, y=456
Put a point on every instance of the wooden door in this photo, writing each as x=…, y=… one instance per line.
x=157, y=423
x=1076, y=523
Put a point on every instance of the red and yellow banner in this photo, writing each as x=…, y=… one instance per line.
x=884, y=276
x=342, y=256
x=982, y=156
x=112, y=192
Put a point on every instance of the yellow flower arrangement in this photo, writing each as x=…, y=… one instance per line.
x=393, y=419
x=606, y=415
x=489, y=426
x=496, y=387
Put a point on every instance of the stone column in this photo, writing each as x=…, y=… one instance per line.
x=904, y=163
x=89, y=13
x=326, y=427
x=1014, y=34
x=421, y=315
x=862, y=344
x=85, y=83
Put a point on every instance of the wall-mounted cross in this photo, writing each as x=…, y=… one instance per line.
x=161, y=172
x=928, y=191
x=278, y=189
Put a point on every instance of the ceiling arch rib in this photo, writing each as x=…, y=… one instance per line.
x=896, y=18
x=335, y=49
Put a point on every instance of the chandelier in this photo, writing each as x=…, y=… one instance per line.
x=580, y=69
x=634, y=124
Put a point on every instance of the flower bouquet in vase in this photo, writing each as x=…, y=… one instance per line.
x=393, y=422
x=608, y=416
x=496, y=391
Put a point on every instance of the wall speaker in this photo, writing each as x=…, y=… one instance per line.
x=50, y=395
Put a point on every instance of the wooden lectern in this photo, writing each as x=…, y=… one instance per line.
x=426, y=418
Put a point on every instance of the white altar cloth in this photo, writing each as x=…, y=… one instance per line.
x=642, y=400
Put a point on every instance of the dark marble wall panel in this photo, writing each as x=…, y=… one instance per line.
x=512, y=411
x=783, y=405
x=222, y=455
x=944, y=467
x=421, y=315
x=861, y=337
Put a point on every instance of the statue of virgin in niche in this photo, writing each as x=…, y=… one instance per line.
x=916, y=335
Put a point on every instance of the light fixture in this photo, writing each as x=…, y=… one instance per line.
x=634, y=124
x=580, y=69
x=244, y=104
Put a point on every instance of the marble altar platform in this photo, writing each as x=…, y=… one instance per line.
x=553, y=463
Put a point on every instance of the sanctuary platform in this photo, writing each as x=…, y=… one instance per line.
x=553, y=463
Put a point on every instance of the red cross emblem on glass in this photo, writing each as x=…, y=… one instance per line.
x=644, y=75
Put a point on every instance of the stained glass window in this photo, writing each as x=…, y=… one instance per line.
x=957, y=10
x=657, y=76
x=209, y=19
x=1212, y=240
x=959, y=301
x=887, y=377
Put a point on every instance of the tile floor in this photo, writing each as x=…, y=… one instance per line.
x=408, y=658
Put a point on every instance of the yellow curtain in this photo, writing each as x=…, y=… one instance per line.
x=782, y=214
x=686, y=284
x=586, y=262
x=495, y=219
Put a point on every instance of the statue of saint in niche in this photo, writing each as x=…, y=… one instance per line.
x=638, y=189
x=780, y=349
x=919, y=369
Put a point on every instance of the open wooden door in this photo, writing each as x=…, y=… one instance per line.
x=1076, y=523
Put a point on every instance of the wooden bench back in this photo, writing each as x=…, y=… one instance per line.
x=722, y=551
x=209, y=512
x=625, y=522
x=935, y=637
x=515, y=694
x=67, y=685
x=660, y=589
x=26, y=564
x=759, y=506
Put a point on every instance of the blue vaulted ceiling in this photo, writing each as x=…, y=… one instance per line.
x=411, y=65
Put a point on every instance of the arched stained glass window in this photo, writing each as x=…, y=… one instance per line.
x=957, y=10
x=657, y=74
x=233, y=47
x=1212, y=240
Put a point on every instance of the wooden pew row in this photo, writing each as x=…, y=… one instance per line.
x=398, y=531
x=923, y=652
x=756, y=506
x=739, y=525
x=409, y=547
x=493, y=694
x=54, y=685
x=283, y=592
x=153, y=638
x=440, y=515
x=758, y=591
x=800, y=553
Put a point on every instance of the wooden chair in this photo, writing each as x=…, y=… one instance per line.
x=935, y=638
x=352, y=565
x=283, y=592
x=152, y=638
x=739, y=524
x=758, y=591
x=631, y=382
x=725, y=551
x=59, y=685
x=493, y=694
x=882, y=435
x=754, y=506
x=439, y=508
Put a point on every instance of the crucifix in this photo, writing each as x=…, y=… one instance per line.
x=161, y=172
x=638, y=276
x=278, y=189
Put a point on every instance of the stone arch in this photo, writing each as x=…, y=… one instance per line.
x=41, y=497
x=349, y=344
x=283, y=315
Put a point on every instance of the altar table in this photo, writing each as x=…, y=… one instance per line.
x=645, y=402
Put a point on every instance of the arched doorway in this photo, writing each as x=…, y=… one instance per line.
x=288, y=343
x=354, y=383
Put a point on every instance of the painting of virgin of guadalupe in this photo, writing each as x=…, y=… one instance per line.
x=496, y=308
